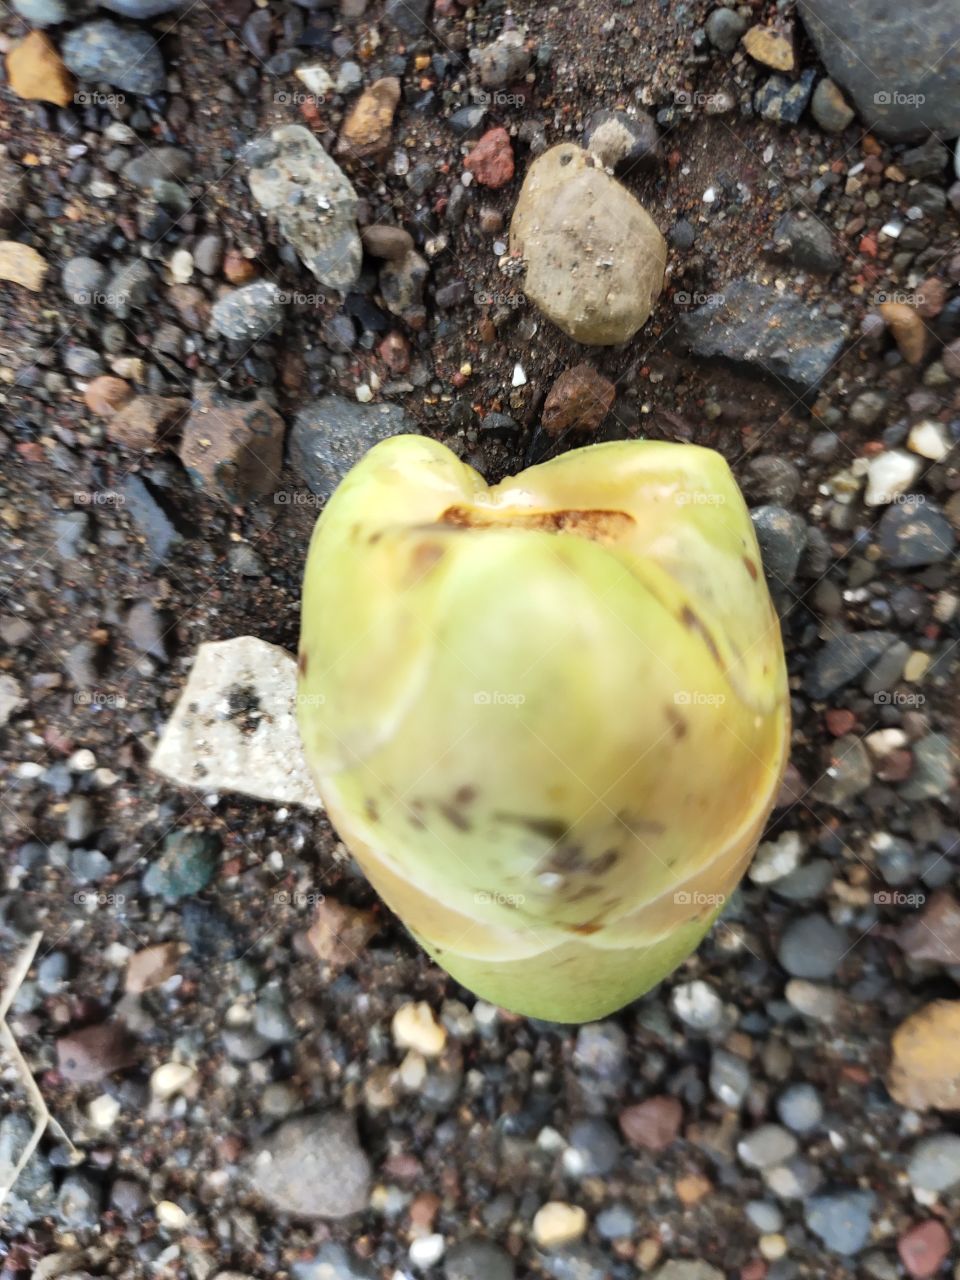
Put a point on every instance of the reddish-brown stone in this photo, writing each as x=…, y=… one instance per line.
x=923, y=1248
x=579, y=400
x=491, y=160
x=106, y=394
x=652, y=1124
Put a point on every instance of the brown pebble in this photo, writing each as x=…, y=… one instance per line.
x=908, y=329
x=932, y=298
x=106, y=394
x=238, y=269
x=367, y=129
x=151, y=967
x=147, y=421
x=653, y=1124
x=923, y=1248
x=840, y=721
x=22, y=265
x=339, y=934
x=381, y=241
x=394, y=351
x=36, y=71
x=92, y=1053
x=579, y=400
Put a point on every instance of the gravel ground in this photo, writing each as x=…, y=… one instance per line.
x=250, y=1068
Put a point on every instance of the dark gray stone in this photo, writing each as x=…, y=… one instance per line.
x=900, y=66
x=782, y=537
x=812, y=947
x=409, y=16
x=124, y=57
x=250, y=313
x=779, y=335
x=843, y=659
x=141, y=8
x=332, y=434
x=620, y=140
x=783, y=100
x=724, y=27
x=478, y=1259
x=32, y=1196
x=913, y=534
x=808, y=242
x=162, y=164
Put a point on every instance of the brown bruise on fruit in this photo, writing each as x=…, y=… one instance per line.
x=426, y=555
x=751, y=568
x=598, y=526
x=678, y=726
x=302, y=663
x=695, y=623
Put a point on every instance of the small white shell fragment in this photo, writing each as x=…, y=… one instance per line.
x=519, y=377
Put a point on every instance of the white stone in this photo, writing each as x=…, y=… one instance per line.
x=427, y=1251
x=171, y=1216
x=557, y=1224
x=11, y=697
x=889, y=475
x=170, y=1079
x=205, y=746
x=776, y=859
x=929, y=439
x=316, y=80
x=697, y=1005
x=103, y=1112
x=415, y=1027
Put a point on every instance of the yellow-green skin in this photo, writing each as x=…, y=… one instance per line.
x=549, y=718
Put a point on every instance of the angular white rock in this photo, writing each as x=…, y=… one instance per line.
x=889, y=475
x=234, y=727
x=929, y=439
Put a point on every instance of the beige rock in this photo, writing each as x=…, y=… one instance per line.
x=415, y=1027
x=594, y=256
x=366, y=130
x=558, y=1224
x=22, y=265
x=36, y=71
x=925, y=1070
x=908, y=329
x=772, y=47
